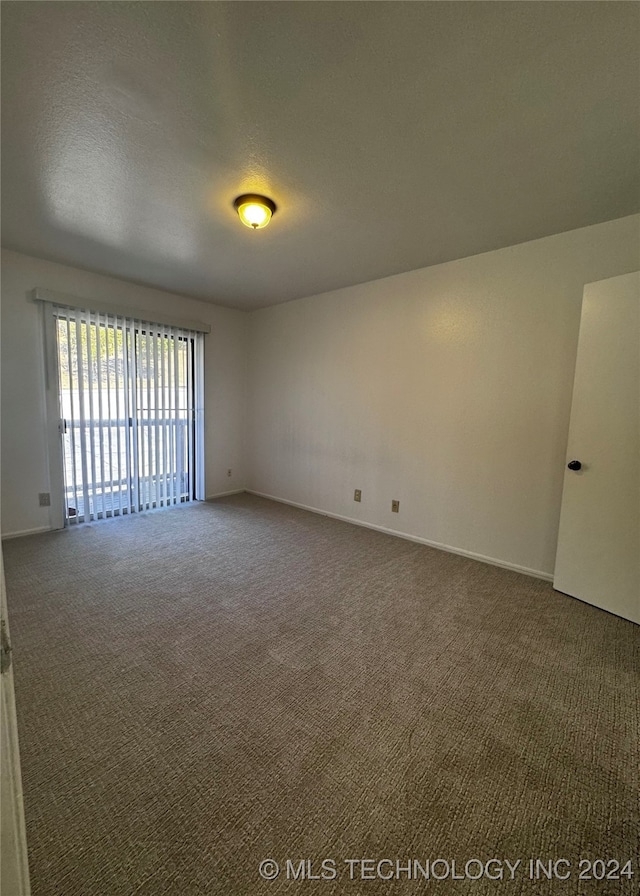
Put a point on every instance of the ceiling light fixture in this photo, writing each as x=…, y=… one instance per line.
x=254, y=211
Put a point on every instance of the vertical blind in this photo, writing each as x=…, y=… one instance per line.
x=131, y=417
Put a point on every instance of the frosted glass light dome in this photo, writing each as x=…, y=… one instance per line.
x=254, y=211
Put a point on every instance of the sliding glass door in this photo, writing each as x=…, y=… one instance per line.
x=131, y=427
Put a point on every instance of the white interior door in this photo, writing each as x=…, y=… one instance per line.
x=598, y=558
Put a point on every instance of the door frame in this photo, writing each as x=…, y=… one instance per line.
x=55, y=451
x=14, y=873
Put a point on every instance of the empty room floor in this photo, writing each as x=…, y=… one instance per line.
x=206, y=688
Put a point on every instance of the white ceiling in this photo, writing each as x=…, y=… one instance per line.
x=391, y=135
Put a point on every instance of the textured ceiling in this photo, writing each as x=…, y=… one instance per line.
x=391, y=135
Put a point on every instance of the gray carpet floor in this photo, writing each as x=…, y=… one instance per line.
x=208, y=687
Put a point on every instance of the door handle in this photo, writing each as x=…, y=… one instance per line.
x=574, y=465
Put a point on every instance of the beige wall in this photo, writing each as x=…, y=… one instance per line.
x=25, y=469
x=448, y=388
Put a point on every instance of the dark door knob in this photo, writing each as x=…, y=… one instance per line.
x=574, y=465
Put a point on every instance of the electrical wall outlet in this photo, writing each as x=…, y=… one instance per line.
x=228, y=472
x=357, y=495
x=395, y=506
x=44, y=499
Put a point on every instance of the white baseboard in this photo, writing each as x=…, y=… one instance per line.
x=7, y=535
x=235, y=491
x=492, y=561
